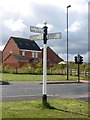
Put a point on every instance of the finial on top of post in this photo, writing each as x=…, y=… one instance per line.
x=45, y=22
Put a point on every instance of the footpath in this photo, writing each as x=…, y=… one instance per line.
x=67, y=82
x=85, y=81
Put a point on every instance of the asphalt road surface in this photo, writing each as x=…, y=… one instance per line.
x=18, y=91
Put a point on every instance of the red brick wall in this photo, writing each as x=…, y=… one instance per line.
x=11, y=61
x=10, y=47
x=40, y=55
x=28, y=54
x=52, y=57
x=0, y=57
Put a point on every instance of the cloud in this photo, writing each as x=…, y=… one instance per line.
x=74, y=27
x=25, y=8
x=2, y=47
x=86, y=57
x=70, y=56
x=17, y=25
x=77, y=5
x=22, y=7
x=50, y=27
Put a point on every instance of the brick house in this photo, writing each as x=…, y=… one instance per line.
x=19, y=51
x=0, y=57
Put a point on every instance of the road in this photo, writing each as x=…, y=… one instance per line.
x=17, y=91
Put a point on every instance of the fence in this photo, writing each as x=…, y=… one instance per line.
x=82, y=72
x=71, y=72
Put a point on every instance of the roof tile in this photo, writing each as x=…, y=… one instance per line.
x=26, y=44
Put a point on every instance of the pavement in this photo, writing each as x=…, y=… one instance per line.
x=51, y=82
x=67, y=82
x=85, y=81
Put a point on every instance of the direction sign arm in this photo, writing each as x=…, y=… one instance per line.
x=36, y=37
x=36, y=29
x=54, y=35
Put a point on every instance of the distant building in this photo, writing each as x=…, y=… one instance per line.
x=62, y=62
x=19, y=51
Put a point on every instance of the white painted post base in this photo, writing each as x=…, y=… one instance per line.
x=44, y=72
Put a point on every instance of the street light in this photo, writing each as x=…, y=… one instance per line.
x=67, y=39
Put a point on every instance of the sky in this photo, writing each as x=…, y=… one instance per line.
x=16, y=17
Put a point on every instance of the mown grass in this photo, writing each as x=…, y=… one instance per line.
x=29, y=77
x=63, y=108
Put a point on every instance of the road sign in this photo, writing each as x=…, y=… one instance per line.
x=36, y=37
x=36, y=29
x=49, y=36
x=54, y=35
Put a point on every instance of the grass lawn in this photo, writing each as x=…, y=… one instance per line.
x=29, y=77
x=64, y=108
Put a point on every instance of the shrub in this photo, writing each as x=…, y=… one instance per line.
x=27, y=68
x=38, y=68
x=0, y=68
x=9, y=69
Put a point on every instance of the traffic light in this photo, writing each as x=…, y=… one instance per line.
x=76, y=60
x=81, y=60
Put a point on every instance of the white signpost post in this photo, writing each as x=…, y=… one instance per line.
x=44, y=36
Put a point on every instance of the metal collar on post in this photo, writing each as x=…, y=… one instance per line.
x=45, y=33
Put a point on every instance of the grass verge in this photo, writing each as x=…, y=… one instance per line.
x=29, y=77
x=62, y=108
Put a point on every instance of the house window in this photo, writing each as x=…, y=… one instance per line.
x=34, y=54
x=23, y=53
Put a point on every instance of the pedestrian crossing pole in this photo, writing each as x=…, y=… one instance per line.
x=44, y=97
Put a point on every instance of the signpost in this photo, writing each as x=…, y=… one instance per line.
x=36, y=29
x=40, y=36
x=44, y=37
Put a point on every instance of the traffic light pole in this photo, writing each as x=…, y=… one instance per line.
x=78, y=60
x=78, y=72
